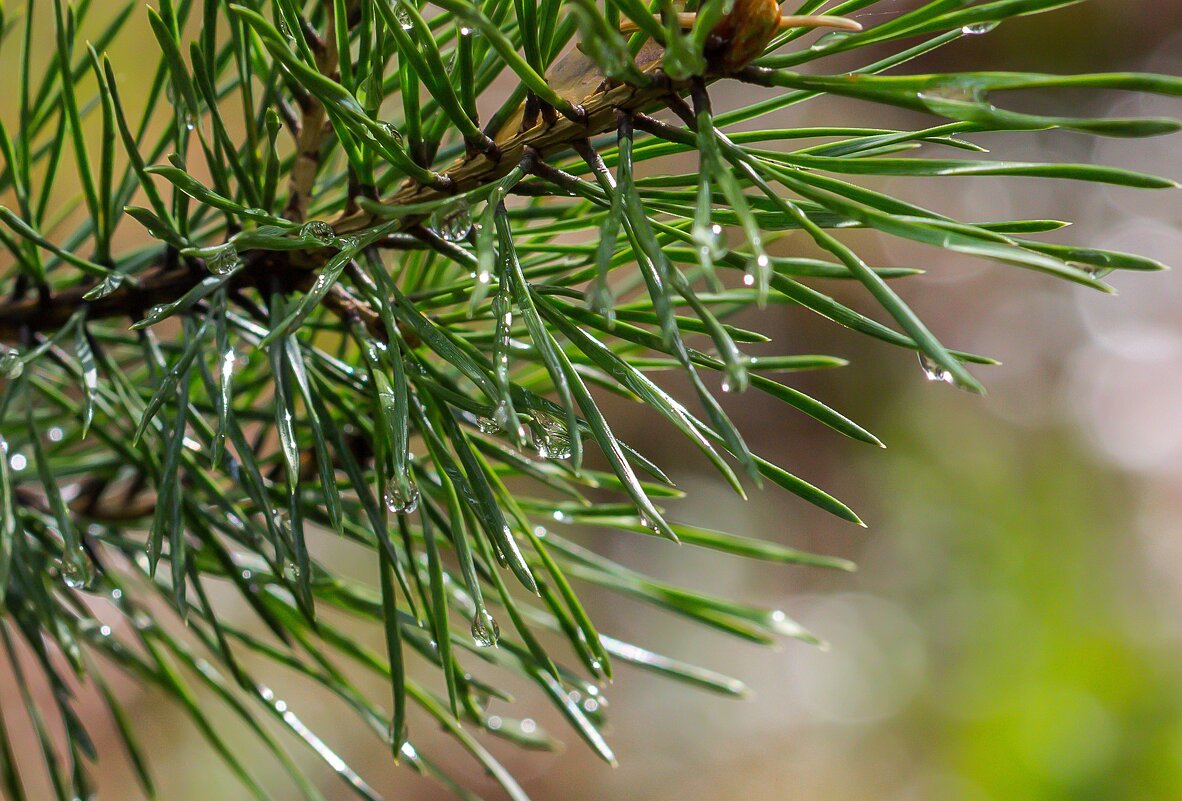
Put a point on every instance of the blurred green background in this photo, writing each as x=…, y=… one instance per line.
x=1014, y=629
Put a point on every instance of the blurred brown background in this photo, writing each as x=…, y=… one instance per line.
x=1014, y=630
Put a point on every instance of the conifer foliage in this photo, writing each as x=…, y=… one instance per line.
x=314, y=285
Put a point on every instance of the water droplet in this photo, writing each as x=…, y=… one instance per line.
x=157, y=312
x=76, y=573
x=978, y=28
x=56, y=434
x=291, y=570
x=18, y=461
x=934, y=371
x=784, y=625
x=369, y=93
x=223, y=260
x=465, y=30
x=281, y=521
x=494, y=722
x=110, y=283
x=403, y=16
x=735, y=377
x=710, y=241
x=374, y=85
x=830, y=39
x=1100, y=266
x=104, y=631
x=285, y=31
x=453, y=222
x=501, y=415
x=749, y=279
x=398, y=499
x=528, y=726
x=319, y=230
x=485, y=630
x=551, y=437
x=488, y=426
x=602, y=300
x=11, y=365
x=392, y=132
x=948, y=98
x=116, y=594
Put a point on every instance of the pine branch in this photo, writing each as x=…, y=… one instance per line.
x=164, y=284
x=394, y=330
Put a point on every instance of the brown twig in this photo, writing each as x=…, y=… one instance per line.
x=162, y=284
x=574, y=75
x=575, y=78
x=739, y=36
x=313, y=129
